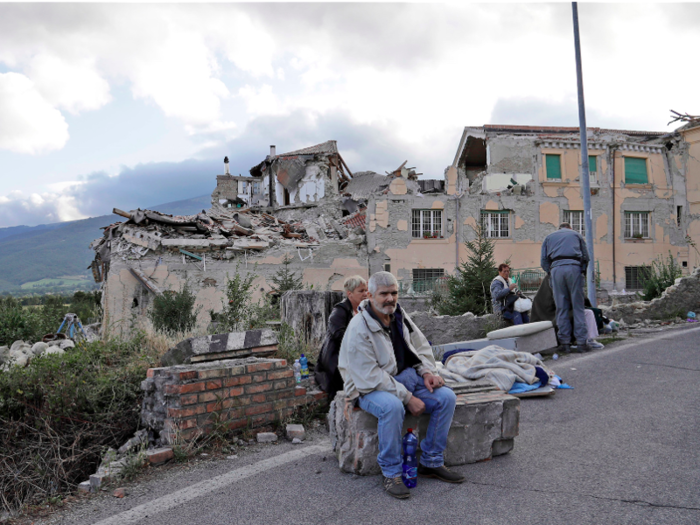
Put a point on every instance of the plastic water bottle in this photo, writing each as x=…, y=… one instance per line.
x=297, y=371
x=410, y=461
x=304, y=366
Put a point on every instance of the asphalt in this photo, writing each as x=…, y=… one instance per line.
x=622, y=447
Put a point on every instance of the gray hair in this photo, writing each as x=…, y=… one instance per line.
x=380, y=279
x=565, y=225
x=353, y=282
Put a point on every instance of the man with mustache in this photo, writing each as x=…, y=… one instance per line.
x=388, y=367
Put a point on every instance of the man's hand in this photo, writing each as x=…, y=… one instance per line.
x=432, y=382
x=512, y=286
x=415, y=406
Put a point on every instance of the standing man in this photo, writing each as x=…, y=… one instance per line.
x=565, y=258
x=388, y=367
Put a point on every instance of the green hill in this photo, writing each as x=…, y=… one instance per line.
x=36, y=259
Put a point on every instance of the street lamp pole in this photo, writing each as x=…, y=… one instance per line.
x=585, y=175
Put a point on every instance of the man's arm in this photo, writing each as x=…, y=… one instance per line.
x=363, y=368
x=498, y=291
x=544, y=258
x=584, y=253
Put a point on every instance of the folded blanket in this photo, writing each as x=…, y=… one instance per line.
x=499, y=366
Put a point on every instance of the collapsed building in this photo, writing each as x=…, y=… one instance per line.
x=517, y=182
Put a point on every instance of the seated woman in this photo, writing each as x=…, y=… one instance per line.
x=327, y=374
x=503, y=296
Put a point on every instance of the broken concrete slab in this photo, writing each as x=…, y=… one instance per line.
x=266, y=437
x=295, y=432
x=257, y=343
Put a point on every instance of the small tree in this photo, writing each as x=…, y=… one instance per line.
x=174, y=312
x=469, y=289
x=285, y=280
x=237, y=310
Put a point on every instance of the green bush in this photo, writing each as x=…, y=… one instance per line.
x=658, y=276
x=174, y=312
x=59, y=413
x=87, y=306
x=16, y=322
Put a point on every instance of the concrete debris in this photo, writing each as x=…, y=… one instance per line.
x=295, y=432
x=119, y=493
x=266, y=437
x=21, y=353
x=257, y=343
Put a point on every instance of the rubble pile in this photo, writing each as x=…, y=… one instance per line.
x=222, y=230
x=21, y=353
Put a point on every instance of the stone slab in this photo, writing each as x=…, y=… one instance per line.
x=266, y=437
x=215, y=347
x=537, y=342
x=485, y=425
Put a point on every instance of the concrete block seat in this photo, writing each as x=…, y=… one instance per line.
x=485, y=425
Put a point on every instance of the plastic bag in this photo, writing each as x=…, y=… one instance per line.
x=523, y=304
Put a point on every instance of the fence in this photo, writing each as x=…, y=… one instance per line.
x=422, y=286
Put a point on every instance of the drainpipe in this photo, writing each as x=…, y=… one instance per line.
x=614, y=215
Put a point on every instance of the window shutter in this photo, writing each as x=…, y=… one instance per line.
x=553, y=163
x=635, y=170
x=592, y=163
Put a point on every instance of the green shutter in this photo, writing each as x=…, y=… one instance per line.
x=553, y=163
x=592, y=163
x=636, y=171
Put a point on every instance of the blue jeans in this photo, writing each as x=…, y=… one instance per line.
x=516, y=317
x=389, y=410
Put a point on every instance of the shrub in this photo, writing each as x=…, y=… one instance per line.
x=174, y=312
x=87, y=306
x=15, y=322
x=59, y=413
x=285, y=280
x=236, y=313
x=469, y=289
x=658, y=276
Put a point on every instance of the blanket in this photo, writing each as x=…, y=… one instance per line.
x=500, y=366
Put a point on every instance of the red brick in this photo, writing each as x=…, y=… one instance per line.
x=258, y=378
x=170, y=390
x=280, y=374
x=188, y=400
x=150, y=372
x=300, y=391
x=259, y=398
x=320, y=396
x=262, y=419
x=256, y=389
x=236, y=370
x=238, y=423
x=184, y=424
x=189, y=434
x=258, y=409
x=219, y=405
x=186, y=412
x=280, y=404
x=284, y=394
x=258, y=367
x=281, y=363
x=207, y=397
x=159, y=455
x=213, y=385
x=238, y=380
x=192, y=387
x=291, y=382
x=212, y=374
x=279, y=385
x=233, y=392
x=186, y=376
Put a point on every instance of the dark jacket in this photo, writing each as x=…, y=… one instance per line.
x=327, y=375
x=543, y=307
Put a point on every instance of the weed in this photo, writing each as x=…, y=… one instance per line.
x=174, y=312
x=658, y=276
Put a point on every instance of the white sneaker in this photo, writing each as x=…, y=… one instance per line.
x=595, y=344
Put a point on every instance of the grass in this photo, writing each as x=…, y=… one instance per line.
x=608, y=340
x=62, y=282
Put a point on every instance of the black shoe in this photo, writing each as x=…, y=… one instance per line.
x=441, y=473
x=564, y=348
x=395, y=487
x=583, y=348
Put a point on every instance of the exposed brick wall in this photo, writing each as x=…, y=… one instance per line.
x=185, y=400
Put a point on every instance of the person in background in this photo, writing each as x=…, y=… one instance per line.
x=327, y=375
x=503, y=296
x=565, y=257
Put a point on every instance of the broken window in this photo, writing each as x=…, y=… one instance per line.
x=426, y=224
x=553, y=166
x=679, y=214
x=636, y=170
x=495, y=224
x=424, y=278
x=636, y=224
x=634, y=277
x=575, y=218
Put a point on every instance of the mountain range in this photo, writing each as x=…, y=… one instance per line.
x=54, y=257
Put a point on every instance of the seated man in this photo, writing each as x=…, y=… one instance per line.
x=503, y=296
x=388, y=367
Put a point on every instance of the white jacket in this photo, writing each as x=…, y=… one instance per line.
x=367, y=361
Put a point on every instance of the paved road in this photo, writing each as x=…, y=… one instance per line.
x=621, y=448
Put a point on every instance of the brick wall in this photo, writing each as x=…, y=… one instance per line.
x=182, y=401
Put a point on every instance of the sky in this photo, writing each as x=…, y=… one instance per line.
x=129, y=105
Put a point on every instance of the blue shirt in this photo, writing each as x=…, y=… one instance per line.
x=565, y=245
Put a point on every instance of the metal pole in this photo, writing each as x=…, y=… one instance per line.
x=585, y=176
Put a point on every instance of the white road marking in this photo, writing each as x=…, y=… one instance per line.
x=207, y=486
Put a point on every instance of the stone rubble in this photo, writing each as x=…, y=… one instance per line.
x=21, y=352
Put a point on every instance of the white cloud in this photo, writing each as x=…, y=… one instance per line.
x=261, y=101
x=29, y=124
x=73, y=85
x=38, y=208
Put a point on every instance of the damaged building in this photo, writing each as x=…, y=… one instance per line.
x=518, y=182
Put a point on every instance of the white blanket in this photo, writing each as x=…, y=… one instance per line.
x=500, y=366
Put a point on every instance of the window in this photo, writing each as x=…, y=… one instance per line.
x=553, y=166
x=593, y=168
x=636, y=171
x=679, y=215
x=634, y=277
x=256, y=188
x=636, y=224
x=424, y=278
x=426, y=224
x=575, y=218
x=495, y=224
x=387, y=267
